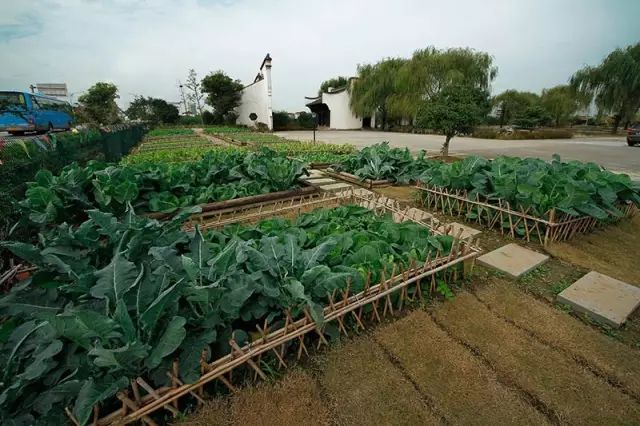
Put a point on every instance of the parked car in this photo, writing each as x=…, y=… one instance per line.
x=633, y=134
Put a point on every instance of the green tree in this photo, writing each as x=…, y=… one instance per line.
x=372, y=92
x=336, y=83
x=455, y=109
x=512, y=103
x=98, y=104
x=223, y=94
x=614, y=84
x=560, y=102
x=431, y=70
x=533, y=116
x=153, y=110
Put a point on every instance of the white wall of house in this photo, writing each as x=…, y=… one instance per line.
x=256, y=99
x=341, y=115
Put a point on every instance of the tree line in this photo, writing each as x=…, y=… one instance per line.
x=217, y=90
x=448, y=91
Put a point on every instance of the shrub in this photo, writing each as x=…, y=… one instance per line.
x=486, y=133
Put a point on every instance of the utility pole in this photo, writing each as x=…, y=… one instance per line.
x=184, y=101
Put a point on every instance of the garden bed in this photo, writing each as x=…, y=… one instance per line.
x=294, y=335
x=517, y=222
x=367, y=183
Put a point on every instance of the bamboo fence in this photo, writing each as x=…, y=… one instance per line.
x=292, y=337
x=515, y=221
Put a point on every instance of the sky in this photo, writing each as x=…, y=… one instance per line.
x=146, y=46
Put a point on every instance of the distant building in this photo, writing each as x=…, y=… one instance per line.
x=255, y=105
x=333, y=111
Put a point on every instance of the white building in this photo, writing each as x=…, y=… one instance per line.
x=255, y=105
x=333, y=110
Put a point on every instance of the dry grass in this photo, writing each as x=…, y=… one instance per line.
x=619, y=362
x=612, y=250
x=462, y=387
x=367, y=389
x=567, y=390
x=404, y=194
x=294, y=400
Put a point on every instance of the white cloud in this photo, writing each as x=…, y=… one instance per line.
x=146, y=46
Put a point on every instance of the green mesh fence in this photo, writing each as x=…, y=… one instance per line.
x=21, y=158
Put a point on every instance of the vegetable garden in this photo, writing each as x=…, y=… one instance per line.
x=155, y=278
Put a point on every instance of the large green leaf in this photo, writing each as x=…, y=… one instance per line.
x=170, y=340
x=116, y=279
x=92, y=393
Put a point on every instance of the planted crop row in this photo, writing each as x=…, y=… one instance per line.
x=114, y=300
x=575, y=188
x=177, y=155
x=151, y=187
x=382, y=162
x=225, y=129
x=169, y=132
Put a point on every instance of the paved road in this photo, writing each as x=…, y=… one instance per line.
x=610, y=152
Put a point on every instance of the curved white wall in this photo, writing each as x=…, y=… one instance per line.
x=341, y=115
x=255, y=99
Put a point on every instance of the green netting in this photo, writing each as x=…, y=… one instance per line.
x=20, y=160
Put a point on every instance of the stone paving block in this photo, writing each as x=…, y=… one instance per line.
x=313, y=174
x=335, y=186
x=467, y=231
x=603, y=298
x=513, y=260
x=320, y=180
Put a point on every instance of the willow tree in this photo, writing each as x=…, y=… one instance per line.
x=561, y=102
x=614, y=84
x=430, y=70
x=372, y=91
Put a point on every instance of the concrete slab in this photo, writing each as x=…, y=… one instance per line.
x=313, y=174
x=603, y=298
x=335, y=186
x=467, y=231
x=321, y=180
x=513, y=260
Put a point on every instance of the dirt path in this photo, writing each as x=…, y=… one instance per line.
x=215, y=140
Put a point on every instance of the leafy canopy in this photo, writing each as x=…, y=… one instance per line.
x=223, y=94
x=614, y=84
x=98, y=104
x=454, y=110
x=512, y=104
x=373, y=90
x=153, y=110
x=336, y=83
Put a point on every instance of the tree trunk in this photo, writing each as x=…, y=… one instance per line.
x=616, y=123
x=384, y=119
x=445, y=147
x=502, y=114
